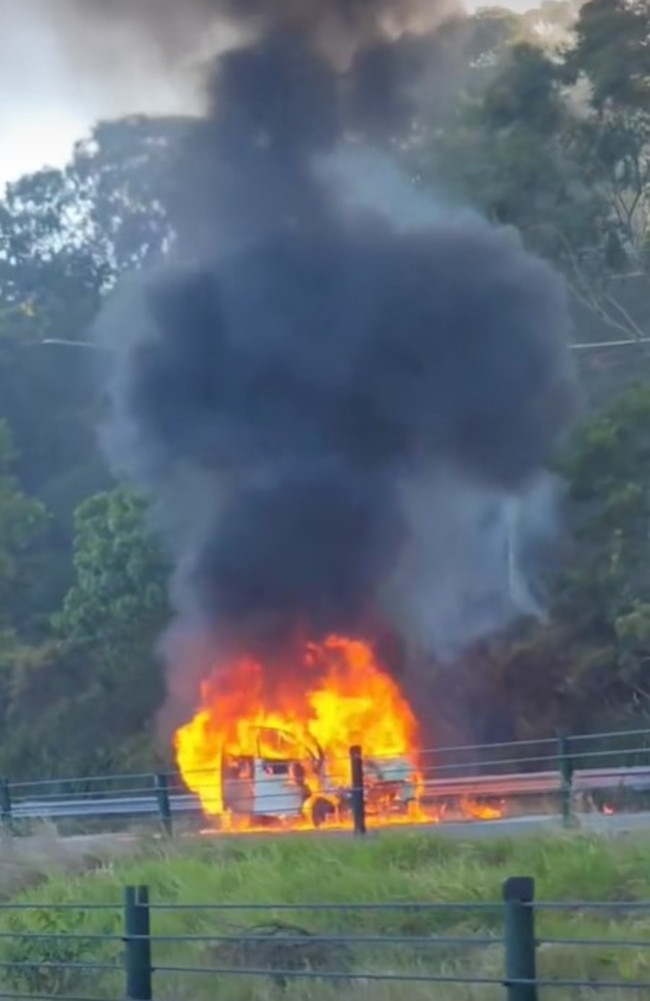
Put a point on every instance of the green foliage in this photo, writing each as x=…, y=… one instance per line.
x=65, y=235
x=82, y=598
x=86, y=700
x=591, y=661
x=611, y=50
x=610, y=53
x=92, y=706
x=415, y=868
x=606, y=589
x=22, y=520
x=47, y=965
x=512, y=151
x=557, y=142
x=524, y=91
x=120, y=572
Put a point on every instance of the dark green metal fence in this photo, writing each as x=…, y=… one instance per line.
x=264, y=949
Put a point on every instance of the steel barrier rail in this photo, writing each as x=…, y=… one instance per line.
x=636, y=779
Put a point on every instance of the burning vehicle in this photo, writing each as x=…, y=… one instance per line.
x=268, y=783
x=287, y=782
x=278, y=757
x=260, y=757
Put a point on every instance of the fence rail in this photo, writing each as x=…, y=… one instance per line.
x=561, y=770
x=140, y=961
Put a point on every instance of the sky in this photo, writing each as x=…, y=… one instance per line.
x=51, y=96
x=45, y=106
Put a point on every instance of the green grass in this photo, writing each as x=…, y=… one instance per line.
x=399, y=867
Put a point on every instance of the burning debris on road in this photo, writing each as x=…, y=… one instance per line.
x=334, y=402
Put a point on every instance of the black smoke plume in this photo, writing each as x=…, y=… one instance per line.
x=306, y=366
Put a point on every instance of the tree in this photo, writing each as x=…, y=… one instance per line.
x=47, y=398
x=104, y=214
x=120, y=572
x=88, y=704
x=511, y=151
x=611, y=50
x=591, y=660
x=65, y=235
x=611, y=54
x=86, y=694
x=546, y=140
x=606, y=592
x=113, y=615
x=22, y=521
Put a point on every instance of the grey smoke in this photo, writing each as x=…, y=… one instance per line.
x=470, y=566
x=339, y=395
x=69, y=63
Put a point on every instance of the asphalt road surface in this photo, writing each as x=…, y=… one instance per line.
x=615, y=825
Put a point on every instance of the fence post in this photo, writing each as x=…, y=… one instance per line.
x=137, y=944
x=358, y=794
x=565, y=765
x=520, y=959
x=164, y=805
x=6, y=815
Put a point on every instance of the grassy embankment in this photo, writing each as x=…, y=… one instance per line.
x=388, y=868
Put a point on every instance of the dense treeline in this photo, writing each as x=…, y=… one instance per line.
x=547, y=128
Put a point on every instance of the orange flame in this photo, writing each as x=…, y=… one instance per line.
x=481, y=811
x=260, y=750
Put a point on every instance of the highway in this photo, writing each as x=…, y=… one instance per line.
x=499, y=787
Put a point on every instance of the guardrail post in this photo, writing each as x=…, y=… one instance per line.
x=357, y=793
x=137, y=944
x=520, y=959
x=164, y=804
x=6, y=815
x=565, y=765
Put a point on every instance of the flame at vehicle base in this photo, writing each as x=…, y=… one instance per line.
x=269, y=749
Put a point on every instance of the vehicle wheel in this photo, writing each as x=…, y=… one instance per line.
x=321, y=810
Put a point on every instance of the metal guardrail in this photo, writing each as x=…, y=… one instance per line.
x=487, y=787
x=493, y=945
x=561, y=768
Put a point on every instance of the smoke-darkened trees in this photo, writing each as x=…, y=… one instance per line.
x=549, y=132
